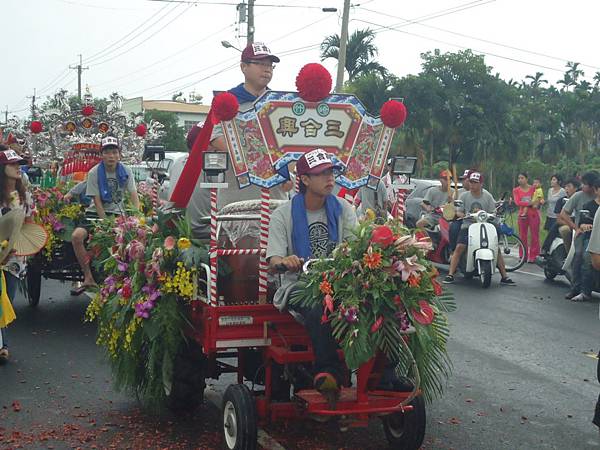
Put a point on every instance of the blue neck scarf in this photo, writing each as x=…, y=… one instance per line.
x=103, y=186
x=300, y=237
x=242, y=95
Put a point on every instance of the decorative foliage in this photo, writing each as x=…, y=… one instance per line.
x=378, y=290
x=225, y=106
x=151, y=273
x=313, y=82
x=393, y=113
x=57, y=216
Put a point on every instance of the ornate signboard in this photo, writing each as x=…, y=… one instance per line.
x=281, y=127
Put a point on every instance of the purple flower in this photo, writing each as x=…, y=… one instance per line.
x=351, y=314
x=122, y=266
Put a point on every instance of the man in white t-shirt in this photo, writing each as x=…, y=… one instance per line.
x=309, y=226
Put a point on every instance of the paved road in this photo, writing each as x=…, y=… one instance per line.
x=523, y=379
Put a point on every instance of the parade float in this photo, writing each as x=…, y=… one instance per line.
x=168, y=322
x=64, y=145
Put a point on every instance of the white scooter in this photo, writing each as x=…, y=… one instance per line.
x=481, y=255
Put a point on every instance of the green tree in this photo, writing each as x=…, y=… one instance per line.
x=360, y=53
x=174, y=137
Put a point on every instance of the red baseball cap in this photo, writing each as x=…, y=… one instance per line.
x=10, y=157
x=315, y=162
x=445, y=173
x=258, y=50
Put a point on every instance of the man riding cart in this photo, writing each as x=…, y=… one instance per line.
x=359, y=307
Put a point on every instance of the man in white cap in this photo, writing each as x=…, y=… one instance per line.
x=107, y=183
x=475, y=200
x=309, y=226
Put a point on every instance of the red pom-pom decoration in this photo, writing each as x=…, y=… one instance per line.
x=393, y=113
x=141, y=130
x=225, y=106
x=313, y=82
x=36, y=127
x=87, y=110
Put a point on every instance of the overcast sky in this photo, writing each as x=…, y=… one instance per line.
x=154, y=49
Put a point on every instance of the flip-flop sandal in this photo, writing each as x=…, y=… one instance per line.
x=3, y=355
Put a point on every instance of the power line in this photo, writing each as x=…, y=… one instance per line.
x=193, y=2
x=107, y=50
x=143, y=41
x=408, y=22
x=463, y=47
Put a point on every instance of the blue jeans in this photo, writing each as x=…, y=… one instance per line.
x=587, y=270
x=577, y=265
x=11, y=289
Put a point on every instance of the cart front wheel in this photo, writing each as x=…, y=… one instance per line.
x=406, y=431
x=34, y=285
x=239, y=418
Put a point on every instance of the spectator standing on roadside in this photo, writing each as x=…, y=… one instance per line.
x=529, y=216
x=555, y=193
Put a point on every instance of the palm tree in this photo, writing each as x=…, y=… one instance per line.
x=536, y=80
x=596, y=79
x=360, y=52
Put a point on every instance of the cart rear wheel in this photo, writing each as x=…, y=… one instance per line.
x=186, y=392
x=406, y=431
x=239, y=418
x=34, y=285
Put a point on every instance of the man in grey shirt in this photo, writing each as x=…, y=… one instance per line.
x=594, y=245
x=107, y=184
x=573, y=206
x=475, y=200
x=435, y=197
x=311, y=225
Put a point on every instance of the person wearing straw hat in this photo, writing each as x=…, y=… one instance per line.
x=13, y=196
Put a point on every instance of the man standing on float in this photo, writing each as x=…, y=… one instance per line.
x=257, y=64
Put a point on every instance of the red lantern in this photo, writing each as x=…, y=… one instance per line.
x=36, y=127
x=393, y=113
x=87, y=110
x=313, y=82
x=141, y=130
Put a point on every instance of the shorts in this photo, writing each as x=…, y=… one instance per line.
x=463, y=235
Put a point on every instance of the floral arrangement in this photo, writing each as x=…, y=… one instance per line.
x=380, y=294
x=56, y=215
x=150, y=279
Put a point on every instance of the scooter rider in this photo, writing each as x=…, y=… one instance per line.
x=585, y=230
x=475, y=200
x=574, y=206
x=571, y=187
x=311, y=225
x=435, y=198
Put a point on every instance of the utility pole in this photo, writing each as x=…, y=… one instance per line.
x=79, y=67
x=343, y=43
x=33, y=114
x=6, y=115
x=250, y=33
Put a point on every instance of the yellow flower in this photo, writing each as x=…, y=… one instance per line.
x=184, y=243
x=142, y=221
x=4, y=243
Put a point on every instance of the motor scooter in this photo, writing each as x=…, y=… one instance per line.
x=481, y=255
x=560, y=262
